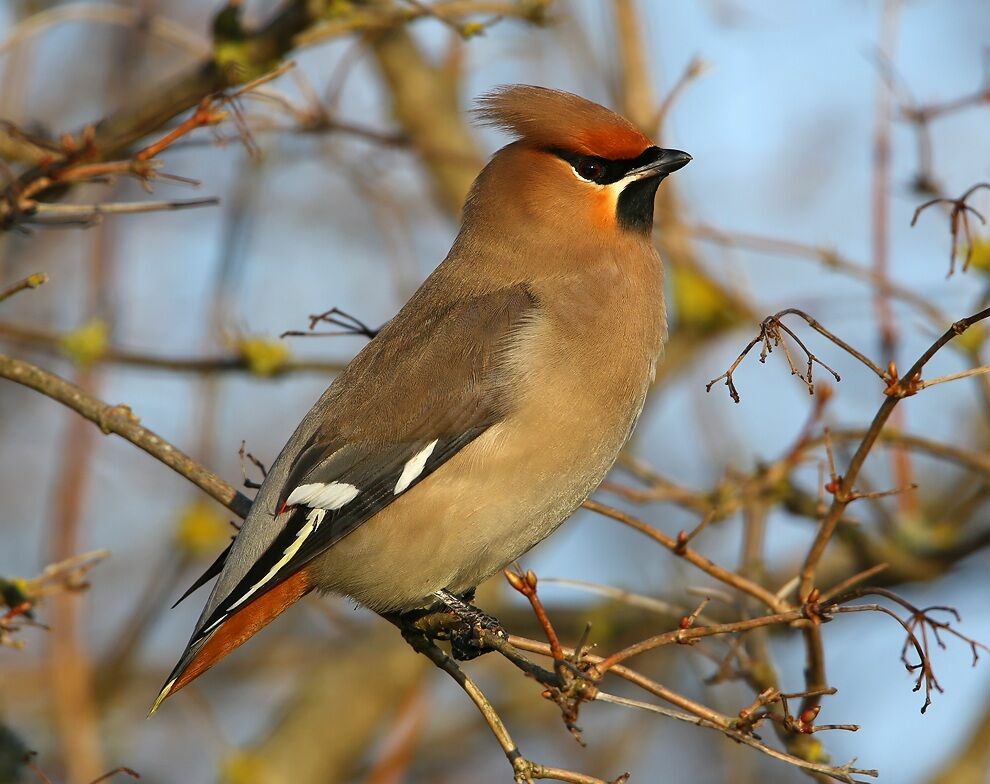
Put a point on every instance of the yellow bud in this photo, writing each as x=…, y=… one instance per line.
x=264, y=357
x=944, y=534
x=201, y=529
x=244, y=767
x=699, y=305
x=15, y=590
x=236, y=57
x=698, y=67
x=471, y=29
x=917, y=533
x=979, y=254
x=814, y=751
x=970, y=341
x=87, y=343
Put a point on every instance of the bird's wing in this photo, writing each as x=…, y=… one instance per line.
x=431, y=382
x=211, y=571
x=334, y=488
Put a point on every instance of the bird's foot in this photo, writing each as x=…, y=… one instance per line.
x=467, y=641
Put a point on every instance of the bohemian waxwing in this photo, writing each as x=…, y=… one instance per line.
x=489, y=408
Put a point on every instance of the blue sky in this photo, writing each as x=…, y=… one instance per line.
x=780, y=129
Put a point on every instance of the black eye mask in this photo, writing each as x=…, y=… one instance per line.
x=602, y=170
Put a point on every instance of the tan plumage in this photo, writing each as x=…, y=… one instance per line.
x=568, y=399
x=502, y=391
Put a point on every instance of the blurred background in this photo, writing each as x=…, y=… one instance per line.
x=816, y=130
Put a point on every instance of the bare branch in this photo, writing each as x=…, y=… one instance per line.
x=896, y=391
x=770, y=337
x=44, y=214
x=121, y=420
x=842, y=773
x=714, y=570
x=959, y=213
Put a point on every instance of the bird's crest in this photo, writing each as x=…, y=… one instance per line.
x=554, y=119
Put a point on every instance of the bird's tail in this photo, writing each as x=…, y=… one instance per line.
x=237, y=628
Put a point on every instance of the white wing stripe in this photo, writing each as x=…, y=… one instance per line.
x=213, y=625
x=323, y=496
x=313, y=520
x=414, y=467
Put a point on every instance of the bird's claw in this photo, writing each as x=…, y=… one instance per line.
x=468, y=640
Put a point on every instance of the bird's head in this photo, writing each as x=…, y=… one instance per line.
x=574, y=166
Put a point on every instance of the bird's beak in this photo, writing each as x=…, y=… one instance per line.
x=666, y=162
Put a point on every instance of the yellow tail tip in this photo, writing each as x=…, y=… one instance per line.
x=161, y=697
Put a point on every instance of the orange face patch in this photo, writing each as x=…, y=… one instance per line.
x=603, y=206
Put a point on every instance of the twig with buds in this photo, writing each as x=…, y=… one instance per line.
x=21, y=596
x=30, y=282
x=959, y=212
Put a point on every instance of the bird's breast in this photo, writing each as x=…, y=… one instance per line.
x=577, y=381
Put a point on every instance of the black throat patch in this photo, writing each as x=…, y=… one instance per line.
x=634, y=209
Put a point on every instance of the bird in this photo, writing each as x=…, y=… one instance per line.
x=485, y=412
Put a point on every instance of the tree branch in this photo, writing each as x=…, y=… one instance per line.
x=121, y=420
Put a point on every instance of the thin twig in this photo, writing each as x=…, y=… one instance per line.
x=690, y=633
x=90, y=214
x=693, y=557
x=958, y=219
x=30, y=282
x=977, y=371
x=898, y=390
x=842, y=773
x=828, y=258
x=770, y=337
x=51, y=342
x=121, y=420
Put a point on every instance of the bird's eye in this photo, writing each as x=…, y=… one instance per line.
x=590, y=169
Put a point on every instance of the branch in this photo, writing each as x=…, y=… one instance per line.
x=525, y=771
x=239, y=55
x=959, y=213
x=692, y=712
x=30, y=282
x=922, y=621
x=770, y=337
x=842, y=773
x=898, y=389
x=248, y=356
x=22, y=596
x=108, y=14
x=386, y=17
x=91, y=214
x=120, y=420
x=721, y=574
x=688, y=633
